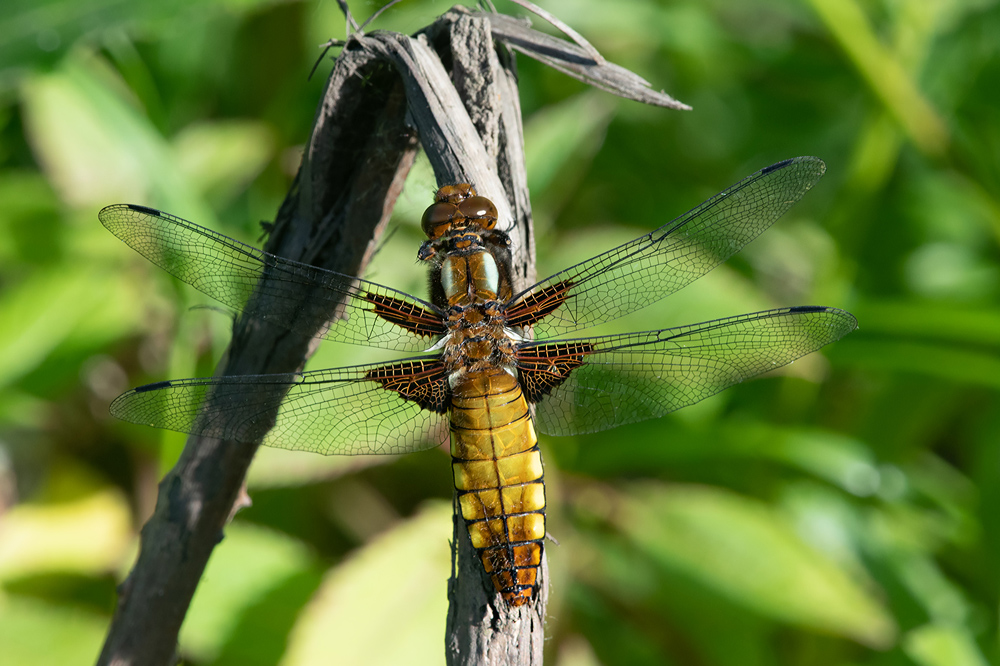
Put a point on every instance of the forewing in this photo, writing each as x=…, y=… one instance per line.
x=291, y=294
x=644, y=270
x=591, y=384
x=367, y=409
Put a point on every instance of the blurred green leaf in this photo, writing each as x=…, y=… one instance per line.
x=89, y=535
x=246, y=567
x=949, y=363
x=844, y=461
x=560, y=142
x=223, y=157
x=41, y=30
x=885, y=75
x=42, y=312
x=575, y=651
x=97, y=147
x=36, y=633
x=27, y=216
x=752, y=555
x=395, y=584
x=64, y=304
x=273, y=467
x=942, y=645
x=942, y=321
x=942, y=600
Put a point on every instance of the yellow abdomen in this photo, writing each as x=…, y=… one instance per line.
x=498, y=474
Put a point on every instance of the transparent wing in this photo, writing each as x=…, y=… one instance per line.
x=592, y=384
x=297, y=295
x=366, y=409
x=644, y=270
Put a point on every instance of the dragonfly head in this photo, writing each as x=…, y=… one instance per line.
x=457, y=208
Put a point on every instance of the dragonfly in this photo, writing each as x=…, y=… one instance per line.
x=494, y=366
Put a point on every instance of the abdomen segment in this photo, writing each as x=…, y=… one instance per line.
x=498, y=474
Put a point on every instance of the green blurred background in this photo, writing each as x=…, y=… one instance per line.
x=842, y=511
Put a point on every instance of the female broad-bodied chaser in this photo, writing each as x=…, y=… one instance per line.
x=489, y=353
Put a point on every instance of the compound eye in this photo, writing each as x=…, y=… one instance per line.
x=480, y=209
x=438, y=218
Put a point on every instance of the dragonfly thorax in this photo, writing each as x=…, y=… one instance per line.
x=478, y=338
x=470, y=278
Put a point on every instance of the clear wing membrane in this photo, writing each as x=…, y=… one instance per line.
x=578, y=385
x=643, y=271
x=603, y=382
x=345, y=411
x=291, y=295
